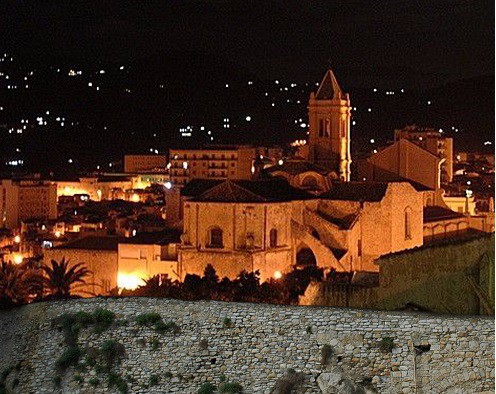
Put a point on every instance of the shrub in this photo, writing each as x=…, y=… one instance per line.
x=148, y=319
x=154, y=379
x=68, y=358
x=206, y=388
x=386, y=345
x=230, y=388
x=309, y=330
x=5, y=373
x=326, y=354
x=227, y=323
x=15, y=383
x=168, y=375
x=103, y=320
x=155, y=344
x=78, y=379
x=203, y=344
x=112, y=351
x=56, y=380
x=94, y=382
x=288, y=383
x=161, y=327
x=117, y=381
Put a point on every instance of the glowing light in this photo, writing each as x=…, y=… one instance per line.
x=168, y=185
x=17, y=239
x=248, y=118
x=469, y=193
x=185, y=165
x=135, y=198
x=277, y=275
x=57, y=234
x=128, y=281
x=17, y=257
x=280, y=162
x=372, y=141
x=303, y=125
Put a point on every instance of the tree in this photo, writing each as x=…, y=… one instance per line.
x=18, y=284
x=60, y=280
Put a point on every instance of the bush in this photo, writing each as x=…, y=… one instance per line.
x=206, y=388
x=230, y=388
x=168, y=374
x=227, y=323
x=155, y=344
x=154, y=379
x=103, y=319
x=309, y=330
x=161, y=327
x=326, y=354
x=94, y=382
x=148, y=319
x=78, y=379
x=112, y=351
x=15, y=383
x=56, y=381
x=115, y=380
x=68, y=358
x=386, y=345
x=288, y=383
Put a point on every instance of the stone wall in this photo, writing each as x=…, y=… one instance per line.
x=263, y=342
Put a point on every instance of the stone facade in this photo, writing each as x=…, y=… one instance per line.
x=344, y=232
x=431, y=353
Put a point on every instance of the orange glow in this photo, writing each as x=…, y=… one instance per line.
x=17, y=239
x=57, y=234
x=128, y=281
x=277, y=275
x=17, y=257
x=135, y=197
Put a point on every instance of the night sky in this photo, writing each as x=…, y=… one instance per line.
x=410, y=42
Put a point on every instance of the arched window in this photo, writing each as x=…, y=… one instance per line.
x=309, y=181
x=215, y=238
x=273, y=238
x=408, y=224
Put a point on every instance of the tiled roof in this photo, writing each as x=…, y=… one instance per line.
x=297, y=167
x=92, y=243
x=267, y=190
x=356, y=191
x=435, y=213
x=154, y=238
x=329, y=88
x=195, y=187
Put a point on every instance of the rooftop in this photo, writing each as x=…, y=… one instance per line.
x=356, y=191
x=297, y=167
x=154, y=238
x=435, y=213
x=93, y=243
x=267, y=190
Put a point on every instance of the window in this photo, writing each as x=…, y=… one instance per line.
x=408, y=230
x=309, y=181
x=321, y=127
x=273, y=238
x=215, y=238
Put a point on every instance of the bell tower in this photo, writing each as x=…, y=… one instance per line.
x=329, y=114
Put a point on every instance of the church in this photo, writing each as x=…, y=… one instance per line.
x=300, y=211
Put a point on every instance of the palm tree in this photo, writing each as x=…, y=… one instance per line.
x=18, y=284
x=59, y=279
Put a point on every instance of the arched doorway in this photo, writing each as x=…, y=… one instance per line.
x=305, y=257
